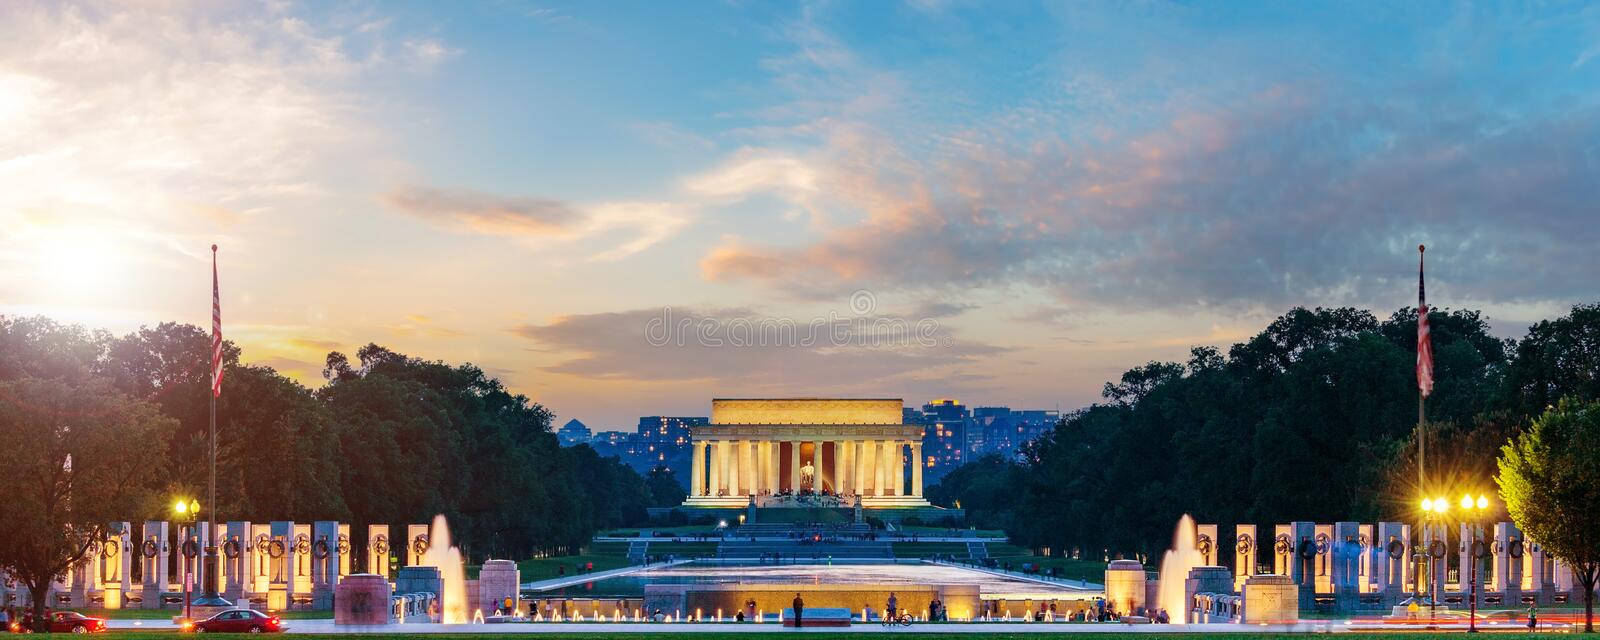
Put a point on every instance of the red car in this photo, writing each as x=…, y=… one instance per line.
x=240, y=621
x=69, y=622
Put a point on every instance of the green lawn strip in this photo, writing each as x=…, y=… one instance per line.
x=929, y=549
x=546, y=568
x=578, y=635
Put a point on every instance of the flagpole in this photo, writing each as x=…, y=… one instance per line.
x=1422, y=448
x=211, y=598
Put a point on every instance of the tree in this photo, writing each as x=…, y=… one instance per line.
x=664, y=488
x=1557, y=359
x=69, y=471
x=1550, y=481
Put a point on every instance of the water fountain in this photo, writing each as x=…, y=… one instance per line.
x=1175, y=566
x=453, y=602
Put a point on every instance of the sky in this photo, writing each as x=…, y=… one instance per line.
x=627, y=209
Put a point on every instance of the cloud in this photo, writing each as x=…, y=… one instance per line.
x=741, y=348
x=482, y=213
x=616, y=229
x=425, y=53
x=1290, y=190
x=310, y=344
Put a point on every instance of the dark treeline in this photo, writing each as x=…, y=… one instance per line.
x=1312, y=419
x=389, y=439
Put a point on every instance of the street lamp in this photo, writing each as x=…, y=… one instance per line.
x=1437, y=508
x=189, y=513
x=1472, y=512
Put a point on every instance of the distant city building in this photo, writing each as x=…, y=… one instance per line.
x=954, y=434
x=574, y=432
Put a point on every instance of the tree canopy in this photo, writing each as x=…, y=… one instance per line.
x=1312, y=418
x=1550, y=480
x=389, y=438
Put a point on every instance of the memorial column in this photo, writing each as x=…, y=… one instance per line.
x=714, y=449
x=857, y=459
x=697, y=469
x=761, y=466
x=816, y=466
x=874, y=481
x=747, y=455
x=734, y=467
x=774, y=465
x=916, y=469
x=897, y=464
x=794, y=466
x=839, y=466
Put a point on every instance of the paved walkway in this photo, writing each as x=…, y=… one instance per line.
x=1031, y=577
x=327, y=626
x=580, y=578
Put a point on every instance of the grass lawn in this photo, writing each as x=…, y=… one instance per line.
x=150, y=635
x=927, y=530
x=1090, y=570
x=682, y=530
x=546, y=568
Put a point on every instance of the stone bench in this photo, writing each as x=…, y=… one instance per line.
x=819, y=617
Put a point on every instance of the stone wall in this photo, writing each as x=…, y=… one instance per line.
x=806, y=411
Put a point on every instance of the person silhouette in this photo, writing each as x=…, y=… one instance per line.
x=799, y=609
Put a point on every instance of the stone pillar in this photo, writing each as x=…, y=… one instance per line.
x=1345, y=553
x=697, y=468
x=916, y=468
x=498, y=581
x=378, y=550
x=839, y=466
x=717, y=462
x=794, y=466
x=1507, y=568
x=324, y=563
x=1245, y=544
x=816, y=464
x=280, y=552
x=858, y=459
x=416, y=543
x=113, y=565
x=869, y=467
x=261, y=569
x=897, y=466
x=735, y=469
x=1205, y=541
x=239, y=554
x=885, y=482
x=1303, y=561
x=775, y=468
x=752, y=473
x=1366, y=536
x=1389, y=570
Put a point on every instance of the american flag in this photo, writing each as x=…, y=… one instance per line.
x=1424, y=341
x=216, y=329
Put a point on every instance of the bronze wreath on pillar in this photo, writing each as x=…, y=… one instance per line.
x=1308, y=549
x=319, y=550
x=419, y=546
x=343, y=544
x=302, y=543
x=380, y=545
x=190, y=548
x=1396, y=549
x=1283, y=546
x=231, y=548
x=151, y=548
x=1514, y=548
x=1436, y=549
x=276, y=549
x=1245, y=545
x=110, y=549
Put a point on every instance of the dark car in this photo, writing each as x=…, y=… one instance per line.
x=240, y=621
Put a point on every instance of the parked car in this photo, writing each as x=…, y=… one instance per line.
x=240, y=621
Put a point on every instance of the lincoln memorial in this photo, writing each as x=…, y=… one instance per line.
x=767, y=451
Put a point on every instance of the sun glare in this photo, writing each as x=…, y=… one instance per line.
x=76, y=266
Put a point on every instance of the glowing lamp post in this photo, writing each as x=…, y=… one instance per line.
x=189, y=513
x=1436, y=508
x=1472, y=511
